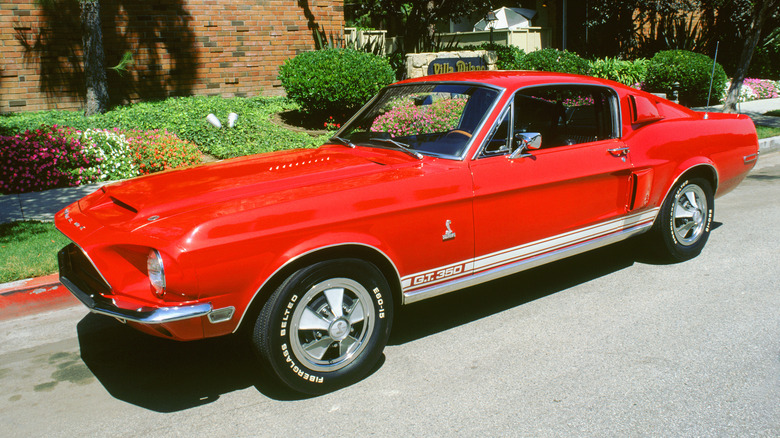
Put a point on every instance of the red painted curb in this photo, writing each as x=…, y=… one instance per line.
x=25, y=297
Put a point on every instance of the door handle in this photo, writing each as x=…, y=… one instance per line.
x=619, y=151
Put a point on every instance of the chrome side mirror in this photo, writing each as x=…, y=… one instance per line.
x=526, y=141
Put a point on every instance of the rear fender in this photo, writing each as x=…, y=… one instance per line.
x=695, y=167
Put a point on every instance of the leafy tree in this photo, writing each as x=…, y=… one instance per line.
x=760, y=11
x=615, y=28
x=416, y=19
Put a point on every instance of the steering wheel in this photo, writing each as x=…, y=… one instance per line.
x=457, y=132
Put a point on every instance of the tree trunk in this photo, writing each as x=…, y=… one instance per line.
x=760, y=12
x=94, y=58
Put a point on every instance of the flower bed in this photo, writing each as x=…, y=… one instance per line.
x=158, y=150
x=39, y=160
x=54, y=157
x=754, y=89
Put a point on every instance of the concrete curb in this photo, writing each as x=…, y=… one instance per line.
x=769, y=145
x=34, y=295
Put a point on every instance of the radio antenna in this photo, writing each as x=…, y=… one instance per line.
x=712, y=76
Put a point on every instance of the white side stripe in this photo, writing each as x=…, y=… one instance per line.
x=526, y=251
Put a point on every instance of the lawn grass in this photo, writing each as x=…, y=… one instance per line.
x=766, y=131
x=775, y=113
x=29, y=249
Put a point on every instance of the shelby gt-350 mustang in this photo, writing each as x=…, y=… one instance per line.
x=437, y=184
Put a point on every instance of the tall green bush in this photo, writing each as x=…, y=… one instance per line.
x=618, y=70
x=554, y=60
x=509, y=57
x=334, y=81
x=691, y=70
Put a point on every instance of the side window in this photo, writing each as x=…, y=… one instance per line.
x=567, y=115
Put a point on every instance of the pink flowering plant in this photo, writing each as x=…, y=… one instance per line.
x=407, y=118
x=39, y=159
x=753, y=89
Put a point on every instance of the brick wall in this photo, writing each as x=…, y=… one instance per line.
x=180, y=47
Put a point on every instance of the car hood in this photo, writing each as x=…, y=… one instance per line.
x=242, y=183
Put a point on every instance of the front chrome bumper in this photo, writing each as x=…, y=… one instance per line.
x=159, y=315
x=96, y=303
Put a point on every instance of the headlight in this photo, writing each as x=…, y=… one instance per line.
x=156, y=272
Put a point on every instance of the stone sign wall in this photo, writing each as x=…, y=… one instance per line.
x=424, y=64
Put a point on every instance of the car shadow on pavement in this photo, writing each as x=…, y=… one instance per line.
x=168, y=376
x=438, y=314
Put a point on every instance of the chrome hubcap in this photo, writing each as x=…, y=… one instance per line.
x=332, y=325
x=690, y=215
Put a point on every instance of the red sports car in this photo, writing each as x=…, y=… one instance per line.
x=437, y=184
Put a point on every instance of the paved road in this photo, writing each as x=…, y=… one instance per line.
x=604, y=344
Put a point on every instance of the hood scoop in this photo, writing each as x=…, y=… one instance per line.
x=123, y=205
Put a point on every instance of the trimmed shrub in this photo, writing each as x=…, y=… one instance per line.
x=334, y=81
x=691, y=70
x=626, y=72
x=554, y=60
x=508, y=57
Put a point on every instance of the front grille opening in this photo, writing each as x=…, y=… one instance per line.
x=76, y=267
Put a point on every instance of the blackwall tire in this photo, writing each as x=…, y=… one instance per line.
x=326, y=326
x=684, y=222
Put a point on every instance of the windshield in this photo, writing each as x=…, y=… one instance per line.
x=432, y=119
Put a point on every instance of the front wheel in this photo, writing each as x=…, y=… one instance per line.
x=683, y=224
x=326, y=325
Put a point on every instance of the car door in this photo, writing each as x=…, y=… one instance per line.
x=564, y=194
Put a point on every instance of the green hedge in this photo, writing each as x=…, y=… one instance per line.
x=334, y=81
x=618, y=70
x=554, y=60
x=691, y=70
x=508, y=57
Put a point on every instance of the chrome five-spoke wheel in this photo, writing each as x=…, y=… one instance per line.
x=690, y=214
x=332, y=324
x=326, y=325
x=683, y=224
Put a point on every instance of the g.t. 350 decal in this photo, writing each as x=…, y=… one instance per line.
x=438, y=275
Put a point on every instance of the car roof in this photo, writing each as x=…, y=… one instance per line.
x=511, y=79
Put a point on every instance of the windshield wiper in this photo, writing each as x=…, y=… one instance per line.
x=401, y=146
x=343, y=141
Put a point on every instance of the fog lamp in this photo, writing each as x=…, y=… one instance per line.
x=156, y=272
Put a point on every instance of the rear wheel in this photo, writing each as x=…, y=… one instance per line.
x=326, y=325
x=683, y=225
